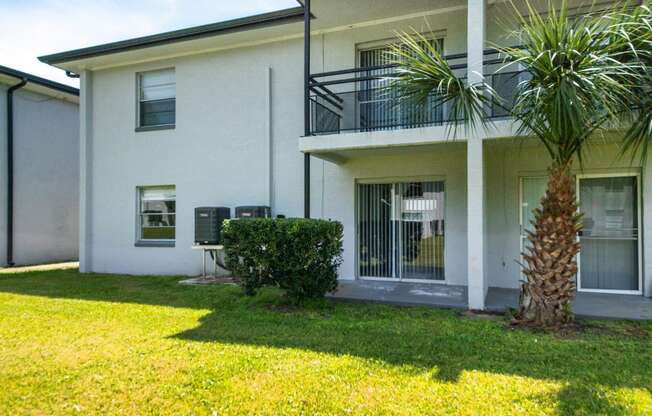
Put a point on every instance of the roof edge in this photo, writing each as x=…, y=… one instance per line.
x=212, y=29
x=39, y=81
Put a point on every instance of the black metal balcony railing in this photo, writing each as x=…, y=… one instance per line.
x=360, y=99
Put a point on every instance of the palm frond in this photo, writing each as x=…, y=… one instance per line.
x=635, y=30
x=583, y=76
x=424, y=77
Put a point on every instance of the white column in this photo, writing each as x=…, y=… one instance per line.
x=85, y=170
x=646, y=234
x=477, y=282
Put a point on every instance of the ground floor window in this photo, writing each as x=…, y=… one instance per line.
x=610, y=258
x=400, y=230
x=156, y=213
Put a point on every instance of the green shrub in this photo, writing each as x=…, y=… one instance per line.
x=301, y=256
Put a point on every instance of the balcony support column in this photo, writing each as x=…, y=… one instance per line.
x=306, y=105
x=646, y=235
x=85, y=171
x=477, y=281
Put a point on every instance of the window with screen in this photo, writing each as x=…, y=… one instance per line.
x=157, y=213
x=156, y=98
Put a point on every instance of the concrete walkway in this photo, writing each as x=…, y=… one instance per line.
x=594, y=305
x=40, y=267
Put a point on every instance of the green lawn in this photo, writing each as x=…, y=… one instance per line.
x=83, y=344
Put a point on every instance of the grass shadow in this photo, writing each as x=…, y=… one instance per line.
x=413, y=339
x=588, y=399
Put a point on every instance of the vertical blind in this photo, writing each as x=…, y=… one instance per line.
x=375, y=230
x=380, y=108
x=401, y=230
x=609, y=256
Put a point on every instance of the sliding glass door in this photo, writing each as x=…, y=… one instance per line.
x=379, y=107
x=401, y=230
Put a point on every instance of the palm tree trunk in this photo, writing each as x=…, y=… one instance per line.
x=550, y=258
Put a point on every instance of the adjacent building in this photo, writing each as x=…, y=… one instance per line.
x=39, y=170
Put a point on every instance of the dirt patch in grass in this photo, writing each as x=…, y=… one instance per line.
x=580, y=327
x=622, y=329
x=208, y=280
x=485, y=316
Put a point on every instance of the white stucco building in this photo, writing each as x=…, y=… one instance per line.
x=39, y=170
x=214, y=116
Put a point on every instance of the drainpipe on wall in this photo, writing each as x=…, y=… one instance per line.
x=306, y=103
x=10, y=170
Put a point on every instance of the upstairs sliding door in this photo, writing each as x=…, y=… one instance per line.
x=381, y=108
x=401, y=230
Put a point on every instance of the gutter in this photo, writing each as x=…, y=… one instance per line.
x=33, y=79
x=279, y=17
x=306, y=105
x=10, y=170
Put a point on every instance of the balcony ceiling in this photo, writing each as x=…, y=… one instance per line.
x=340, y=13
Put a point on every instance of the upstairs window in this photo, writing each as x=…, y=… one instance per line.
x=157, y=213
x=157, y=98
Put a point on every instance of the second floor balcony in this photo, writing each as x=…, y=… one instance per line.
x=362, y=99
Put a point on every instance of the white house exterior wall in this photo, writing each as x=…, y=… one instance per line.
x=219, y=155
x=216, y=156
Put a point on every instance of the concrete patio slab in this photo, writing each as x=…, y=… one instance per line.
x=402, y=293
x=592, y=305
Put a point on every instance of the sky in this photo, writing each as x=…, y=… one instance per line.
x=32, y=28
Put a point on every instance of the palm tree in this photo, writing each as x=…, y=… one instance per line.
x=587, y=75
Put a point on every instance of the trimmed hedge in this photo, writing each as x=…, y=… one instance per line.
x=301, y=256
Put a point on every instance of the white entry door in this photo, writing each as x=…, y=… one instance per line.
x=533, y=189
